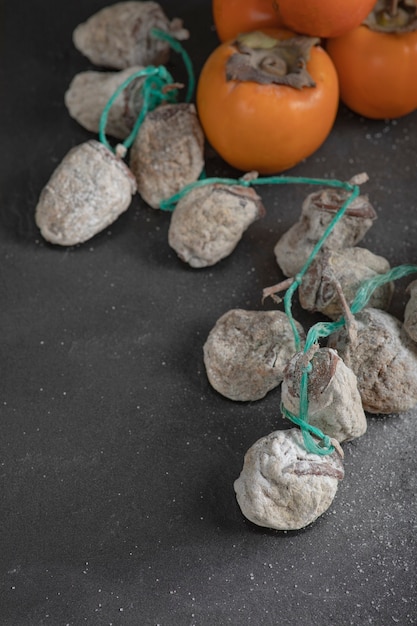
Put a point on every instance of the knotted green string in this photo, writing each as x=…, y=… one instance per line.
x=175, y=45
x=158, y=86
x=156, y=79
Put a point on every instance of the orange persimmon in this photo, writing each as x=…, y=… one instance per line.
x=232, y=17
x=323, y=18
x=377, y=69
x=266, y=127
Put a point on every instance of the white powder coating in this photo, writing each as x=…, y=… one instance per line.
x=334, y=401
x=246, y=352
x=410, y=311
x=89, y=92
x=209, y=221
x=284, y=487
x=318, y=209
x=384, y=359
x=86, y=193
x=168, y=152
x=349, y=267
x=118, y=36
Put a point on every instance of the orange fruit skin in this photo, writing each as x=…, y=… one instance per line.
x=323, y=18
x=232, y=17
x=377, y=72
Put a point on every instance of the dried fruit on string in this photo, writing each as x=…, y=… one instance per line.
x=318, y=210
x=89, y=92
x=282, y=486
x=86, y=193
x=334, y=402
x=246, y=352
x=384, y=359
x=119, y=36
x=410, y=311
x=168, y=152
x=209, y=221
x=345, y=269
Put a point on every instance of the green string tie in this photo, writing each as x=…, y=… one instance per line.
x=175, y=45
x=170, y=203
x=158, y=86
x=154, y=92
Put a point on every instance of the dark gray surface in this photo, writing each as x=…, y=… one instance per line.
x=117, y=457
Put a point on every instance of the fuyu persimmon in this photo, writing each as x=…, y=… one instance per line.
x=323, y=18
x=267, y=101
x=377, y=62
x=232, y=17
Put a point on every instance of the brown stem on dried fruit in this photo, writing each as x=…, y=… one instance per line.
x=311, y=468
x=171, y=87
x=347, y=314
x=336, y=445
x=252, y=175
x=274, y=289
x=359, y=179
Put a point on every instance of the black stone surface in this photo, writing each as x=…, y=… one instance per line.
x=117, y=457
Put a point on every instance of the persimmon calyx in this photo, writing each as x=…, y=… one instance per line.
x=393, y=16
x=265, y=60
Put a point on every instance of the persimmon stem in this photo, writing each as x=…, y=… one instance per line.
x=271, y=291
x=393, y=8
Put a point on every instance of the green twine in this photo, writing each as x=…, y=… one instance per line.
x=155, y=79
x=368, y=286
x=154, y=90
x=170, y=203
x=307, y=430
x=175, y=45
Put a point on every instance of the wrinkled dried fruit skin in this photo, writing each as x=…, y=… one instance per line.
x=86, y=193
x=410, y=311
x=334, y=401
x=350, y=267
x=209, y=222
x=282, y=486
x=246, y=352
x=89, y=93
x=118, y=36
x=384, y=359
x=168, y=152
x=319, y=208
